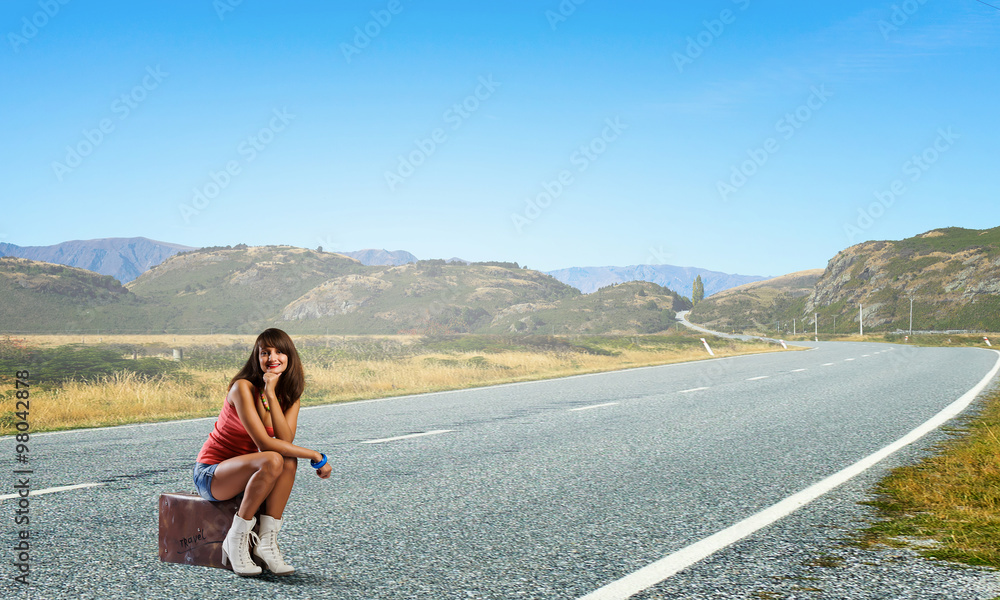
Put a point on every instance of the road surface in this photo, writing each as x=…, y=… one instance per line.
x=549, y=489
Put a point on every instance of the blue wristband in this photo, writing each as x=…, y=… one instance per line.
x=318, y=465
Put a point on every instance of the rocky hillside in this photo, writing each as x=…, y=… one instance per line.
x=952, y=274
x=759, y=306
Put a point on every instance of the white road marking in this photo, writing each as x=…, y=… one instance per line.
x=669, y=565
x=692, y=390
x=408, y=436
x=865, y=355
x=758, y=378
x=594, y=406
x=52, y=490
x=797, y=370
x=827, y=364
x=848, y=359
x=348, y=405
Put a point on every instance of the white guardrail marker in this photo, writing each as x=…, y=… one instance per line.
x=707, y=347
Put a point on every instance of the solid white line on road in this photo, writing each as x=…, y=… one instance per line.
x=692, y=390
x=797, y=370
x=667, y=566
x=52, y=490
x=408, y=436
x=594, y=406
x=757, y=378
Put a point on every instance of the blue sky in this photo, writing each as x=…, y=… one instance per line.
x=737, y=135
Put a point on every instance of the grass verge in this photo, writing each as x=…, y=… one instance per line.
x=948, y=505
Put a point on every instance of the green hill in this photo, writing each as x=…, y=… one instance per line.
x=45, y=297
x=304, y=291
x=758, y=306
x=631, y=307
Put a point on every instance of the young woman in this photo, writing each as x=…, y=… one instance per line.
x=250, y=451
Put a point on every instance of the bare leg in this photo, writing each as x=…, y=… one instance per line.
x=253, y=474
x=274, y=506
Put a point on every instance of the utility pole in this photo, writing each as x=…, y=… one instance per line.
x=911, y=315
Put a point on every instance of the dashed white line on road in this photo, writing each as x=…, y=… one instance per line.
x=865, y=355
x=594, y=406
x=827, y=364
x=408, y=436
x=848, y=359
x=692, y=390
x=52, y=490
x=758, y=378
x=797, y=370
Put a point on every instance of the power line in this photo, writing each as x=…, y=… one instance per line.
x=987, y=4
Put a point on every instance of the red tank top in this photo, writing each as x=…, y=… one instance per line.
x=228, y=438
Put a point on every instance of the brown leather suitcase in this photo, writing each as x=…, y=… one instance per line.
x=192, y=528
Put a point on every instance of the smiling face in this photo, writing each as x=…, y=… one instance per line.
x=272, y=360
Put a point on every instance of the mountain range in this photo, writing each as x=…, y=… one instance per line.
x=127, y=258
x=244, y=289
x=952, y=276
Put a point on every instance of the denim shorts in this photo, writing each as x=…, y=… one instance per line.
x=203, y=475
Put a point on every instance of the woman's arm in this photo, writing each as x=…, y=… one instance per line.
x=282, y=421
x=243, y=400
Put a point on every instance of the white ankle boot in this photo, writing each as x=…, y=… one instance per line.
x=267, y=548
x=236, y=547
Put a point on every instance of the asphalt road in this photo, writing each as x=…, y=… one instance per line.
x=537, y=490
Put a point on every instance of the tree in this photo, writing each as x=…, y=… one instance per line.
x=697, y=290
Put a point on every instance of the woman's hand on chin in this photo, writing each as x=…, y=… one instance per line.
x=271, y=380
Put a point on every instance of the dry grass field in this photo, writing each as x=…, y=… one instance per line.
x=349, y=369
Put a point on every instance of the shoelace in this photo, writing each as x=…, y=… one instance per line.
x=245, y=547
x=272, y=538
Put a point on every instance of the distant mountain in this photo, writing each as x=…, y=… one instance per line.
x=122, y=258
x=382, y=257
x=678, y=279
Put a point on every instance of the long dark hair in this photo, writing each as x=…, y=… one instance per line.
x=292, y=381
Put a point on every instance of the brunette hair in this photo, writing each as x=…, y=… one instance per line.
x=292, y=380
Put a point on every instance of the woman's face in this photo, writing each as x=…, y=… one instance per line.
x=272, y=360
